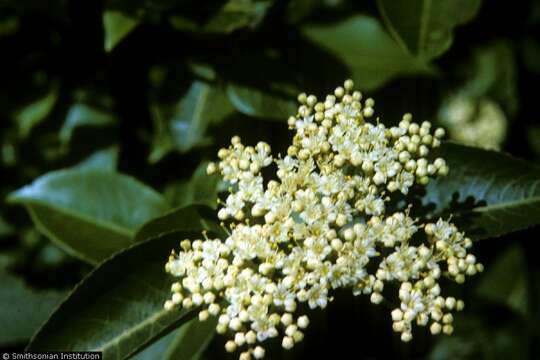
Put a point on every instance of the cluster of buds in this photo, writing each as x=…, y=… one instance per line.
x=318, y=225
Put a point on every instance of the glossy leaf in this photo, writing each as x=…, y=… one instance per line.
x=372, y=56
x=233, y=15
x=192, y=340
x=117, y=26
x=83, y=115
x=254, y=102
x=24, y=309
x=34, y=113
x=158, y=349
x=505, y=281
x=477, y=112
x=91, y=214
x=425, y=27
x=474, y=335
x=494, y=74
x=202, y=70
x=186, y=343
x=490, y=193
x=200, y=189
x=118, y=308
x=194, y=218
x=182, y=126
x=102, y=160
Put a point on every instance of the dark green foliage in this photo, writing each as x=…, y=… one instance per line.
x=124, y=319
x=112, y=109
x=490, y=193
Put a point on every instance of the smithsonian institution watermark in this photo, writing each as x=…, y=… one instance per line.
x=52, y=355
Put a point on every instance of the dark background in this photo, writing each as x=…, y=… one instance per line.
x=60, y=45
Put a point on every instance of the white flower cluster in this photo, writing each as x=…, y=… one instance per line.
x=320, y=225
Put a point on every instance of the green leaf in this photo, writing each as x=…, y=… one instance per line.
x=482, y=338
x=103, y=160
x=182, y=126
x=505, y=282
x=83, y=115
x=159, y=348
x=192, y=340
x=299, y=9
x=493, y=72
x=34, y=113
x=233, y=15
x=236, y=14
x=424, y=27
x=117, y=26
x=5, y=228
x=254, y=102
x=117, y=308
x=372, y=56
x=193, y=218
x=202, y=70
x=200, y=189
x=24, y=309
x=490, y=193
x=90, y=214
x=476, y=112
x=186, y=343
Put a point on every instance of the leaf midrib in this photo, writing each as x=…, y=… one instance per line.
x=390, y=26
x=424, y=24
x=521, y=202
x=133, y=330
x=80, y=216
x=67, y=248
